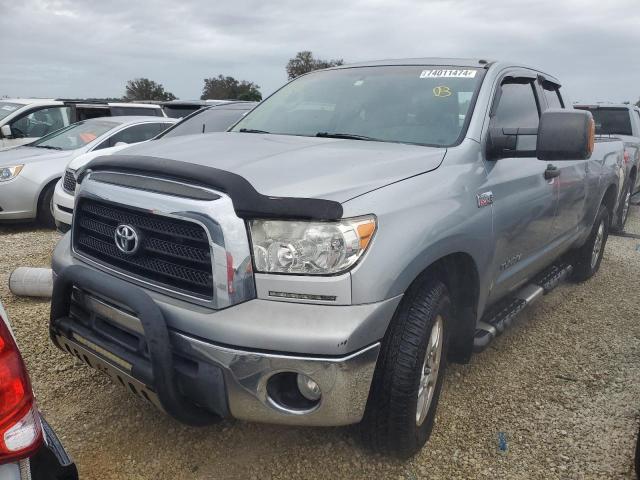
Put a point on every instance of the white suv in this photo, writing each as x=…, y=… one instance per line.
x=25, y=120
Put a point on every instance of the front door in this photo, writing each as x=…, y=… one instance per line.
x=524, y=201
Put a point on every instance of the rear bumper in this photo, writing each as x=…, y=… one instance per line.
x=50, y=462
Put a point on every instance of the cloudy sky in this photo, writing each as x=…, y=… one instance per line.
x=88, y=48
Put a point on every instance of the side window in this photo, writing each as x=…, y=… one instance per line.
x=41, y=122
x=517, y=107
x=136, y=133
x=552, y=95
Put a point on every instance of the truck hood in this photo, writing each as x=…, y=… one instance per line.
x=293, y=166
x=26, y=155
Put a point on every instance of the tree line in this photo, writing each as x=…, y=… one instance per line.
x=225, y=87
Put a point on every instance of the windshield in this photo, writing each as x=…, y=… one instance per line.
x=205, y=121
x=7, y=108
x=425, y=105
x=610, y=121
x=74, y=136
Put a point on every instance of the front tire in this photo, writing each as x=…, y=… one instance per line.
x=45, y=208
x=587, y=259
x=408, y=379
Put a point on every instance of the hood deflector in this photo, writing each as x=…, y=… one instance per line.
x=247, y=201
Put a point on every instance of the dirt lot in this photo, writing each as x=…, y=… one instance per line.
x=563, y=385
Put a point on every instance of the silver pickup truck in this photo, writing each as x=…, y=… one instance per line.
x=321, y=262
x=621, y=121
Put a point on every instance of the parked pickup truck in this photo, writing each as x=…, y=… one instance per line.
x=319, y=263
x=621, y=121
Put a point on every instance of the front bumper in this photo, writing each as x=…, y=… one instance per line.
x=62, y=207
x=18, y=199
x=223, y=380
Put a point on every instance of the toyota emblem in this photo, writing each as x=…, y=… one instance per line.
x=127, y=239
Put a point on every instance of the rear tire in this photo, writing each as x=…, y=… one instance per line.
x=623, y=209
x=587, y=259
x=408, y=378
x=45, y=207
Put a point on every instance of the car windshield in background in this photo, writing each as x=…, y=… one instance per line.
x=7, y=108
x=611, y=121
x=425, y=105
x=74, y=136
x=206, y=121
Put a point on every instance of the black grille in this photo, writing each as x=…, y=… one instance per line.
x=173, y=253
x=69, y=181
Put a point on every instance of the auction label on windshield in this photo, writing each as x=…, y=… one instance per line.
x=453, y=73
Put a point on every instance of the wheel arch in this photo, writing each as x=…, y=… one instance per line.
x=459, y=272
x=51, y=182
x=609, y=199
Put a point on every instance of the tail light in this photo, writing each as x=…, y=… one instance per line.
x=20, y=428
x=626, y=156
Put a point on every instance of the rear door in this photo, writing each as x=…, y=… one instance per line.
x=571, y=184
x=525, y=202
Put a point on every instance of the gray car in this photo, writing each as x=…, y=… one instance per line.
x=28, y=173
x=321, y=262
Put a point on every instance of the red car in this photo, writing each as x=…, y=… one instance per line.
x=29, y=449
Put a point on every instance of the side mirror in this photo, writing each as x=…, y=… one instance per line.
x=120, y=144
x=566, y=135
x=6, y=131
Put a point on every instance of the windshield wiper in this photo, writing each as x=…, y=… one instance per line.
x=251, y=130
x=48, y=146
x=348, y=136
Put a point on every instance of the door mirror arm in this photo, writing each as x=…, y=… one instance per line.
x=503, y=142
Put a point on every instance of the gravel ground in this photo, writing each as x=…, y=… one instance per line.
x=562, y=384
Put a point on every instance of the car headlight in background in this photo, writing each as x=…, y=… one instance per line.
x=310, y=248
x=7, y=173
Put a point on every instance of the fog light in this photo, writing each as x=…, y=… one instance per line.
x=308, y=388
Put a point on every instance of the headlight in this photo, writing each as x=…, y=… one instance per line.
x=310, y=248
x=7, y=173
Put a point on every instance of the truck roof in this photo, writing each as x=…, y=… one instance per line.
x=458, y=62
x=453, y=62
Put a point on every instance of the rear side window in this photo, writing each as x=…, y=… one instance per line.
x=517, y=107
x=119, y=111
x=611, y=121
x=134, y=134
